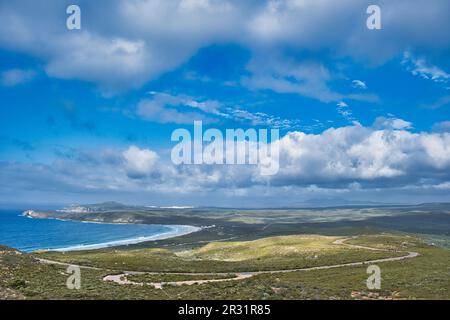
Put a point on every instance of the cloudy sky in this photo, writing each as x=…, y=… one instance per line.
x=87, y=115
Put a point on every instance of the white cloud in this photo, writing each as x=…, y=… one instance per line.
x=263, y=119
x=127, y=43
x=381, y=158
x=168, y=108
x=123, y=51
x=14, y=77
x=392, y=123
x=139, y=162
x=164, y=108
x=420, y=67
x=278, y=74
x=111, y=62
x=308, y=78
x=345, y=160
x=344, y=110
x=358, y=84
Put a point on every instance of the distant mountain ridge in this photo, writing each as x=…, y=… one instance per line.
x=98, y=207
x=311, y=203
x=325, y=202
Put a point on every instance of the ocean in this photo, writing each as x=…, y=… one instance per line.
x=27, y=234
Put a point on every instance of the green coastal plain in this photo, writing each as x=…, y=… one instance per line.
x=320, y=253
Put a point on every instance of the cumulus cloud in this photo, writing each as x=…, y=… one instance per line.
x=114, y=63
x=127, y=43
x=391, y=123
x=370, y=157
x=139, y=162
x=131, y=46
x=347, y=159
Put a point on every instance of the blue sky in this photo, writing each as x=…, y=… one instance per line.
x=363, y=114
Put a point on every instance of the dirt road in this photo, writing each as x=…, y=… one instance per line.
x=122, y=278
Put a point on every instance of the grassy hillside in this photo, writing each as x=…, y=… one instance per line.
x=423, y=277
x=274, y=253
x=283, y=246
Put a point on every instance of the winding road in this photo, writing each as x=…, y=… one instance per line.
x=123, y=280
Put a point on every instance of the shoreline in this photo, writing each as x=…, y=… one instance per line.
x=175, y=231
x=178, y=231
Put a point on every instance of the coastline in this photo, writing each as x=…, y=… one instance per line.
x=178, y=231
x=174, y=231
